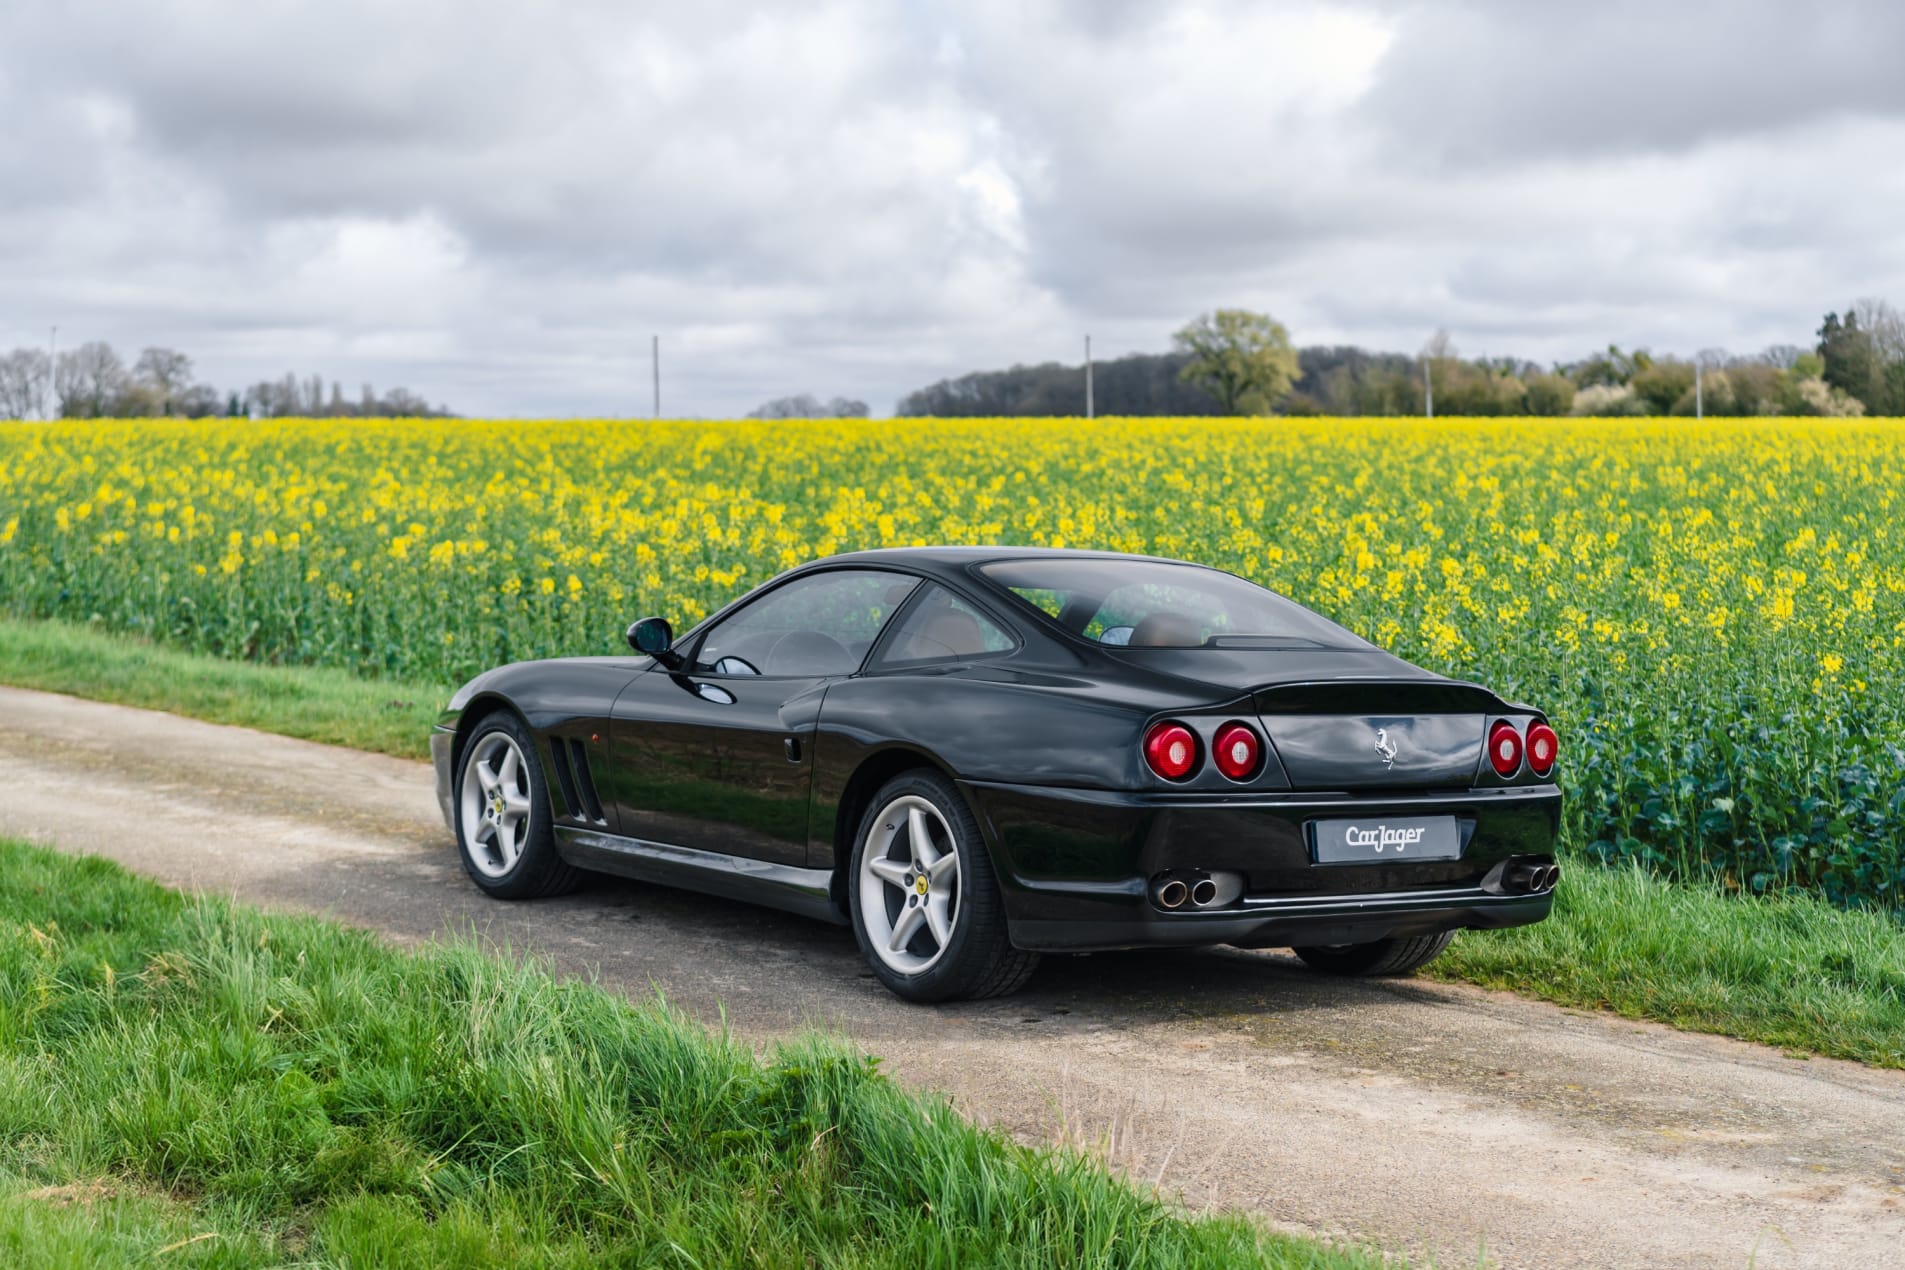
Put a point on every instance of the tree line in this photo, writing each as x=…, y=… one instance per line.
x=1227, y=362
x=93, y=382
x=1232, y=362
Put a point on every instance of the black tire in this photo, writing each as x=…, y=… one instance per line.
x=1382, y=957
x=978, y=960
x=537, y=870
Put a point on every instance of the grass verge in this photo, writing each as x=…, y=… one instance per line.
x=202, y=1080
x=1789, y=970
x=314, y=704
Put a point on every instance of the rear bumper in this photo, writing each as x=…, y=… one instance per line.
x=1076, y=865
x=1282, y=922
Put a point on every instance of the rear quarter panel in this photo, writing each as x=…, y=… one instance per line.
x=975, y=724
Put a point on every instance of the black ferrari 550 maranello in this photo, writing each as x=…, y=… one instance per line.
x=976, y=755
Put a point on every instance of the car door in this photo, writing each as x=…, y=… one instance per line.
x=716, y=754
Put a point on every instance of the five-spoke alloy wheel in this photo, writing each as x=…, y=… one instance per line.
x=909, y=884
x=495, y=804
x=926, y=908
x=502, y=814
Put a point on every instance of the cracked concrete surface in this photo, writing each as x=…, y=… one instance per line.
x=1433, y=1120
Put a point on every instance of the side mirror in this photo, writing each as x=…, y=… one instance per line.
x=655, y=637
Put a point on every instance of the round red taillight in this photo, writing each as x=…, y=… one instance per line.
x=1171, y=750
x=1543, y=748
x=1504, y=749
x=1237, y=751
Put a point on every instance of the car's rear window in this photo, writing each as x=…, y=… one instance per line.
x=1156, y=604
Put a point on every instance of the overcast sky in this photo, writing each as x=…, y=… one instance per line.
x=496, y=204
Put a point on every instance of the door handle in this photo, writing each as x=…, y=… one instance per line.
x=792, y=746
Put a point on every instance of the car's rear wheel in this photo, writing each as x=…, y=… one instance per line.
x=1379, y=957
x=925, y=903
x=503, y=828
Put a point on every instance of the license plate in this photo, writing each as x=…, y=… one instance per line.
x=1372, y=838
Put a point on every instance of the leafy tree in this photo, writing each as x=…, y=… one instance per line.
x=1755, y=388
x=1804, y=391
x=1243, y=359
x=1891, y=400
x=1610, y=368
x=1850, y=359
x=1863, y=355
x=1550, y=394
x=1138, y=384
x=1663, y=384
x=1475, y=388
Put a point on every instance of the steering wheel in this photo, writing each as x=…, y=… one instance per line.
x=809, y=653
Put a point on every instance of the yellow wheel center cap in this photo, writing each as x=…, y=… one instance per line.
x=920, y=884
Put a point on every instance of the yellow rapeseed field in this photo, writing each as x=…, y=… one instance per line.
x=1714, y=613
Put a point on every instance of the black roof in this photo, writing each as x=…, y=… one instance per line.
x=953, y=557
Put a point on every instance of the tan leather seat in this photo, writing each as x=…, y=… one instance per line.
x=1167, y=630
x=957, y=632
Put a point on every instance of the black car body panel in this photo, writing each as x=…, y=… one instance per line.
x=1076, y=865
x=752, y=786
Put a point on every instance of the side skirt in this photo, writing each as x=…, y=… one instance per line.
x=808, y=892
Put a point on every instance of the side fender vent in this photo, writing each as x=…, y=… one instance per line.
x=565, y=780
x=585, y=783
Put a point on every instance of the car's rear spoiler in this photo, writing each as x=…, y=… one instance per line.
x=1378, y=697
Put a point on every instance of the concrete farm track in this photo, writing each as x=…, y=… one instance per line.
x=1431, y=1119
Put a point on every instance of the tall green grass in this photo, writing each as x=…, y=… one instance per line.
x=1786, y=969
x=312, y=703
x=294, y=1090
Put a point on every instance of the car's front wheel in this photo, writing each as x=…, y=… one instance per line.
x=502, y=815
x=925, y=903
x=1378, y=957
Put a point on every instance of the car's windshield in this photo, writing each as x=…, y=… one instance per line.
x=1156, y=604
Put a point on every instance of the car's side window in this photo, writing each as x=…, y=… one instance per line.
x=941, y=627
x=818, y=625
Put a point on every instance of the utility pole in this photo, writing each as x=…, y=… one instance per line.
x=53, y=371
x=655, y=357
x=1088, y=401
x=1428, y=388
x=1699, y=405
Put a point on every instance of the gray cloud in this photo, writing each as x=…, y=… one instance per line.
x=1493, y=82
x=496, y=206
